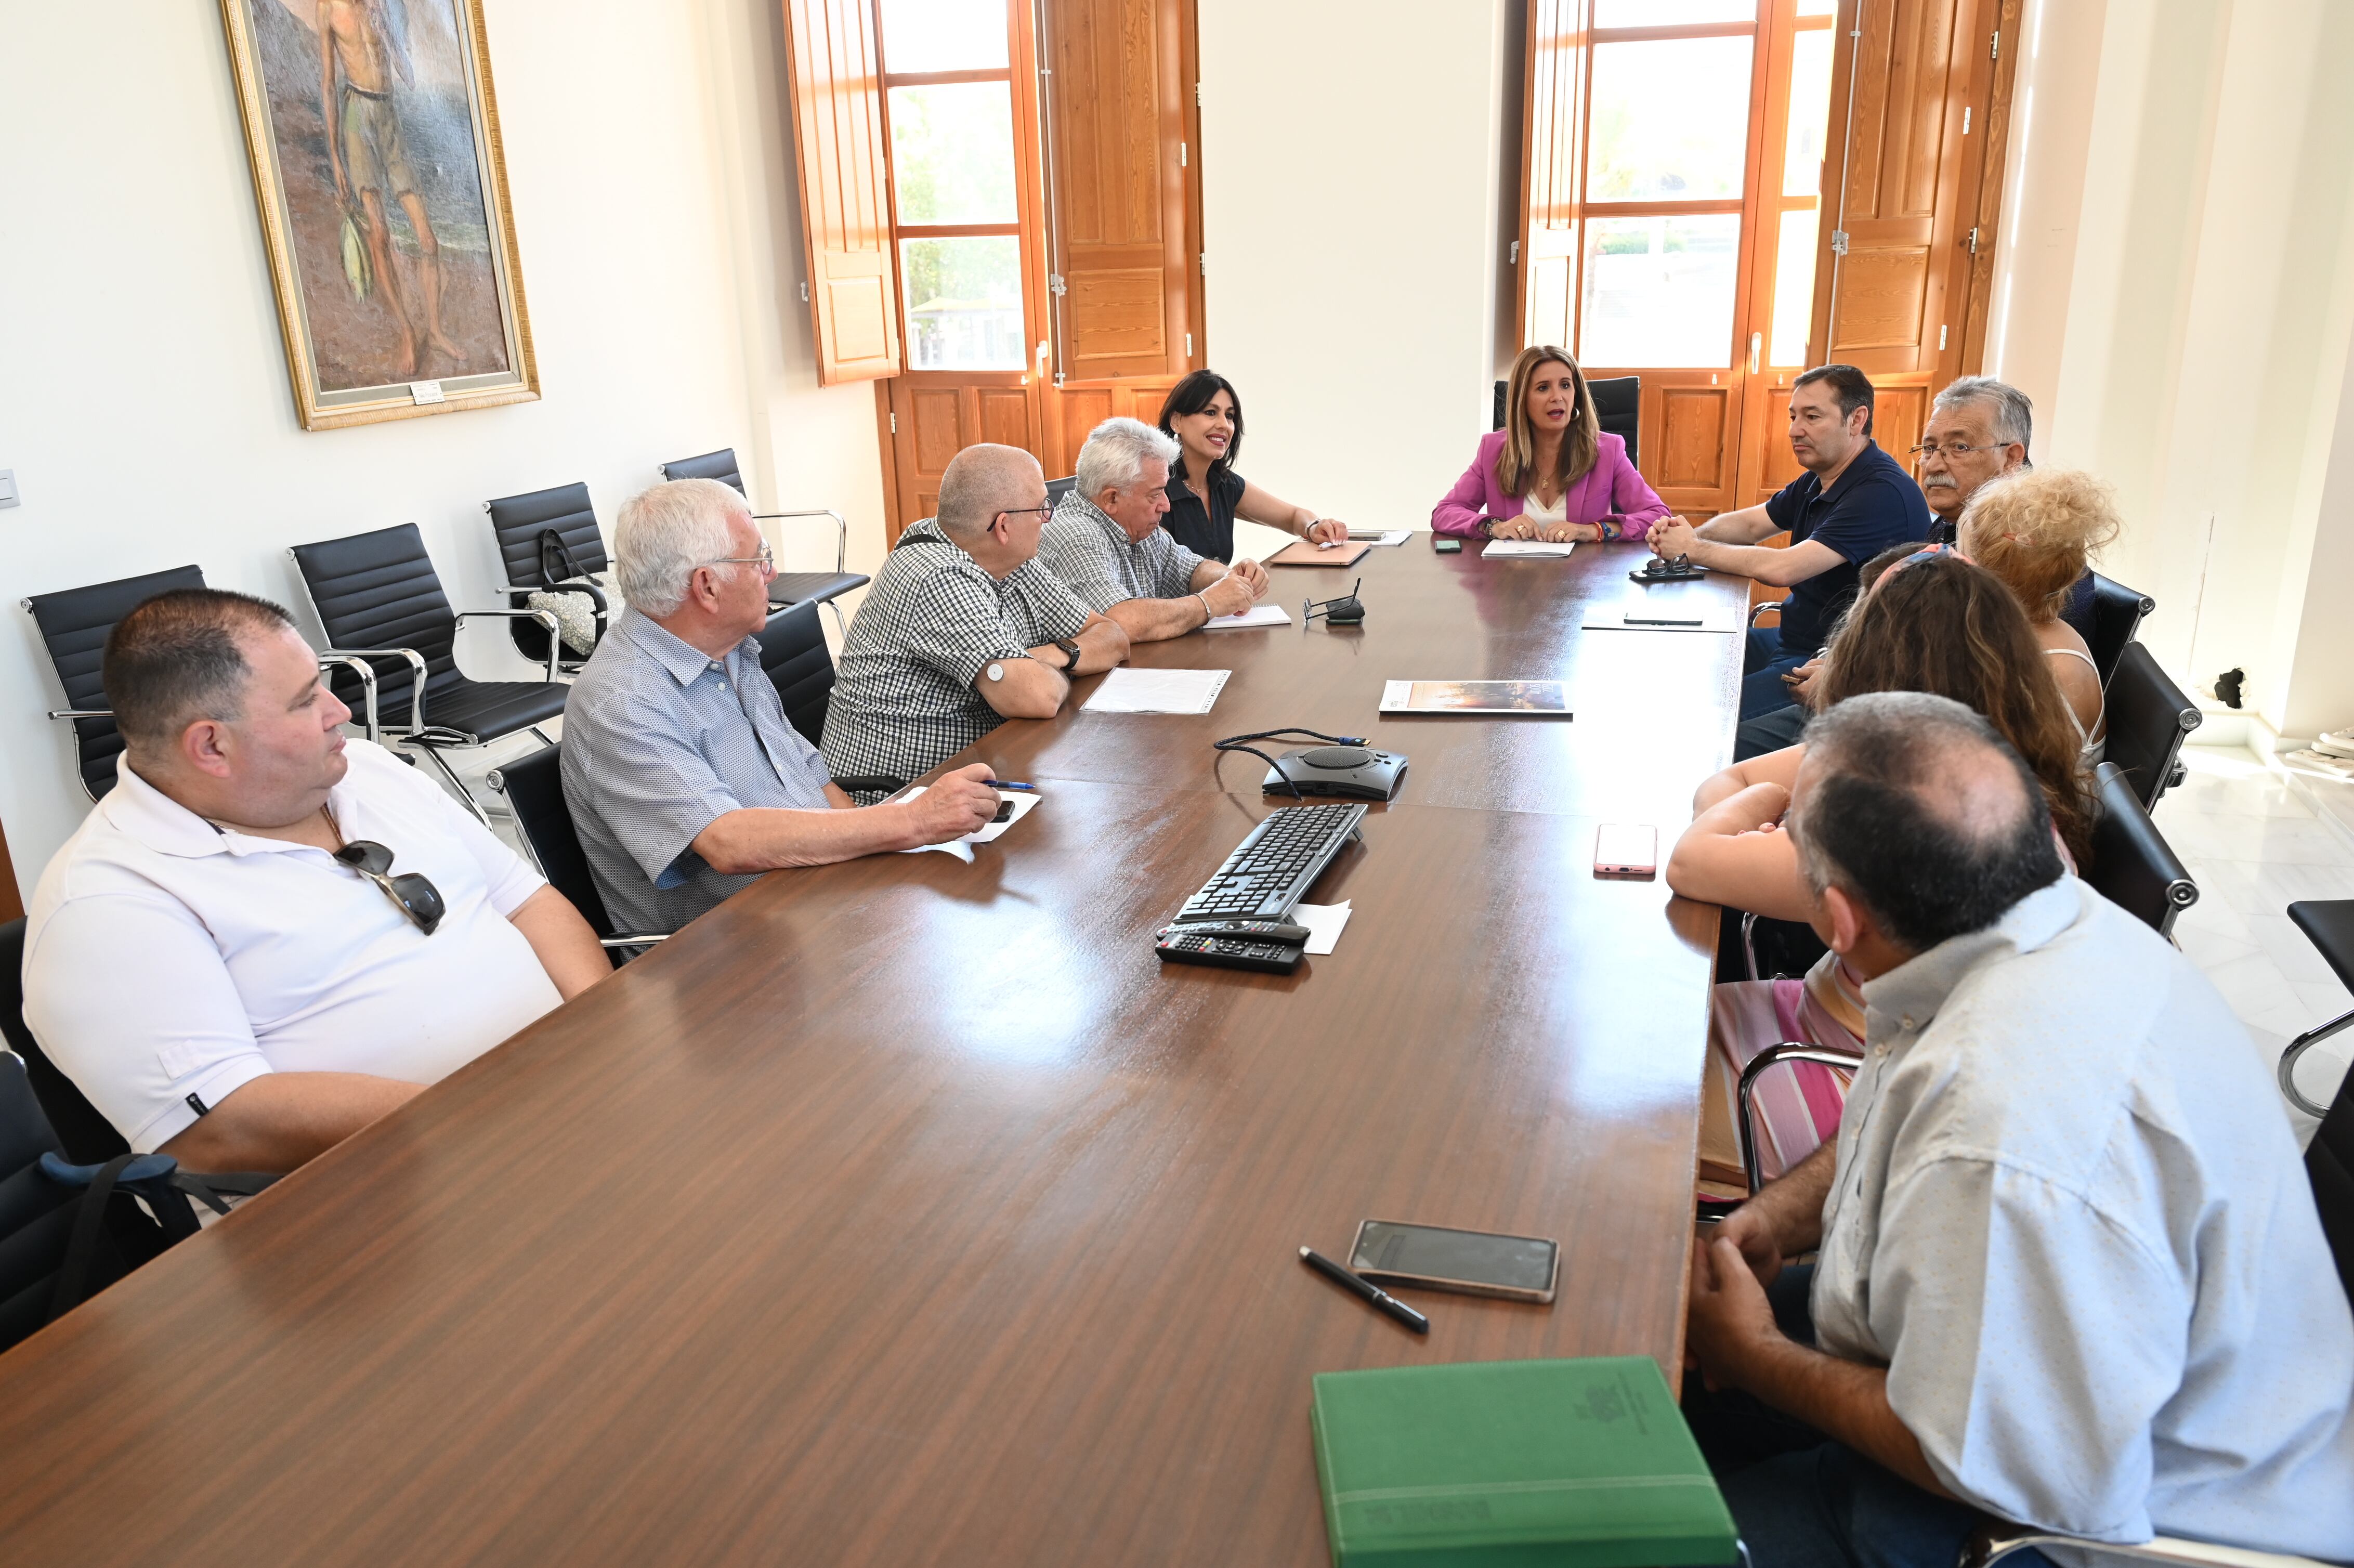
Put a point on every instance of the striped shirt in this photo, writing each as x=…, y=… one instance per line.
x=1096, y=558
x=660, y=741
x=904, y=699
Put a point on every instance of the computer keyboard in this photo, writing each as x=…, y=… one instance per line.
x=1273, y=868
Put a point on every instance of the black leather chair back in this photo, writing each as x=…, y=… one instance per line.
x=2133, y=865
x=1058, y=488
x=1618, y=407
x=793, y=652
x=74, y=625
x=2149, y=717
x=86, y=1136
x=2329, y=1161
x=2117, y=613
x=720, y=465
x=36, y=1214
x=535, y=788
x=519, y=520
x=379, y=590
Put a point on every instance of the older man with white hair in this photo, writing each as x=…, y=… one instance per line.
x=1107, y=543
x=684, y=777
x=964, y=628
x=1978, y=430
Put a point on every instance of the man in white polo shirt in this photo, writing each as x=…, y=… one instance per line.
x=266, y=937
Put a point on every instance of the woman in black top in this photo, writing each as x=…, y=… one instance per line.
x=1206, y=418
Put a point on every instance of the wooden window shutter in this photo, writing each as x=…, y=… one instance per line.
x=1929, y=91
x=836, y=81
x=1116, y=166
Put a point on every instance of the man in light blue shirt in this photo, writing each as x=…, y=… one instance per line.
x=684, y=778
x=2071, y=1272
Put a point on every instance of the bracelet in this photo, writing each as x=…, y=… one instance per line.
x=1208, y=615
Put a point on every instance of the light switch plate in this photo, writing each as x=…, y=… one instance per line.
x=8, y=487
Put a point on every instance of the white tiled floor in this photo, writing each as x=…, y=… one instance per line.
x=2254, y=846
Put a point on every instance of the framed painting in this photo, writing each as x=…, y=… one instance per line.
x=374, y=138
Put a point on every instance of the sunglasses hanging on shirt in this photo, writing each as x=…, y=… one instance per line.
x=414, y=893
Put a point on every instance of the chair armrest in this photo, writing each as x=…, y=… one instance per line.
x=868, y=783
x=647, y=940
x=1993, y=1542
x=545, y=617
x=416, y=668
x=366, y=672
x=1757, y=609
x=1787, y=1051
x=81, y=712
x=578, y=585
x=841, y=529
x=2298, y=1048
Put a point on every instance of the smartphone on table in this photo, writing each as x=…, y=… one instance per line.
x=1627, y=849
x=1473, y=1263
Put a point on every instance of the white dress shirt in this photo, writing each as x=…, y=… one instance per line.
x=2071, y=1220
x=168, y=961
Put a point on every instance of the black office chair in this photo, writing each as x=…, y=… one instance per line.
x=521, y=523
x=2330, y=1166
x=1618, y=407
x=2133, y=865
x=786, y=588
x=793, y=652
x=2329, y=924
x=1058, y=488
x=2115, y=613
x=2149, y=718
x=533, y=790
x=380, y=600
x=75, y=624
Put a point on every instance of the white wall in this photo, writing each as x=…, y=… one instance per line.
x=145, y=404
x=2175, y=291
x=1351, y=173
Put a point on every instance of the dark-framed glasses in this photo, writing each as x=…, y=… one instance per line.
x=1957, y=449
x=1046, y=510
x=414, y=893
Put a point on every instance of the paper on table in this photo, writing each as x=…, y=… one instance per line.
x=1323, y=922
x=1257, y=615
x=1527, y=549
x=1661, y=618
x=963, y=848
x=1127, y=691
x=1381, y=538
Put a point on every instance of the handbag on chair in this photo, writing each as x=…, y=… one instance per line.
x=568, y=593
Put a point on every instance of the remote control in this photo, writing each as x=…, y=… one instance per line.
x=1190, y=945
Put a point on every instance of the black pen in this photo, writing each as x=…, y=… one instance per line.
x=1010, y=784
x=1358, y=1286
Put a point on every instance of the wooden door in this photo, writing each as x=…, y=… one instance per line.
x=1908, y=245
x=852, y=290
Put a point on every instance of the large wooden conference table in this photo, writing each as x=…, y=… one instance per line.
x=909, y=1211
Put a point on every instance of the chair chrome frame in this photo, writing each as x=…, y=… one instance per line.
x=2298, y=1047
x=1745, y=1119
x=840, y=549
x=1993, y=1542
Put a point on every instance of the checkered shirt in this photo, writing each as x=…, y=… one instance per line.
x=660, y=741
x=904, y=700
x=1095, y=556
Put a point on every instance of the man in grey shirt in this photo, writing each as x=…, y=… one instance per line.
x=684, y=778
x=2070, y=1268
x=963, y=629
x=1106, y=542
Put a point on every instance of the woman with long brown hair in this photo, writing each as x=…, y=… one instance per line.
x=1934, y=621
x=1553, y=472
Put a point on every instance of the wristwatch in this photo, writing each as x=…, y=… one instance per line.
x=1070, y=654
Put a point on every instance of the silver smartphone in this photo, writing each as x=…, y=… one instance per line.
x=1474, y=1263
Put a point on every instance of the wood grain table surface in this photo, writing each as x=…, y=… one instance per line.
x=908, y=1212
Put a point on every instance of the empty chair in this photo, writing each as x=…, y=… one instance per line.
x=2132, y=866
x=2329, y=924
x=786, y=588
x=75, y=624
x=2116, y=613
x=533, y=790
x=380, y=600
x=545, y=537
x=2149, y=717
x=793, y=652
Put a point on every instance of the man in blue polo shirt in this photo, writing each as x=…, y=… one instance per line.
x=1854, y=501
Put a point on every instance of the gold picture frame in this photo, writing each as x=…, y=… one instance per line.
x=373, y=133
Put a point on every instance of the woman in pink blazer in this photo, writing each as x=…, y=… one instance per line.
x=1550, y=472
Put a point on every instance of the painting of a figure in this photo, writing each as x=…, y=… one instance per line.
x=375, y=152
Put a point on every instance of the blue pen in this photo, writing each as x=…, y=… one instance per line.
x=1011, y=784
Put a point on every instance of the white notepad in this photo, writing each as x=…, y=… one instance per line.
x=1257, y=615
x=1662, y=617
x=1528, y=550
x=1023, y=801
x=1381, y=538
x=1127, y=691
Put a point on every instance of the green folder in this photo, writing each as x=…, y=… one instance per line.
x=1570, y=1464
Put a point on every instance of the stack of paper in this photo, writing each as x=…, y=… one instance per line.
x=1127, y=691
x=1527, y=549
x=1381, y=538
x=1257, y=615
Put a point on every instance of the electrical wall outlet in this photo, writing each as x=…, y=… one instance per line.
x=8, y=487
